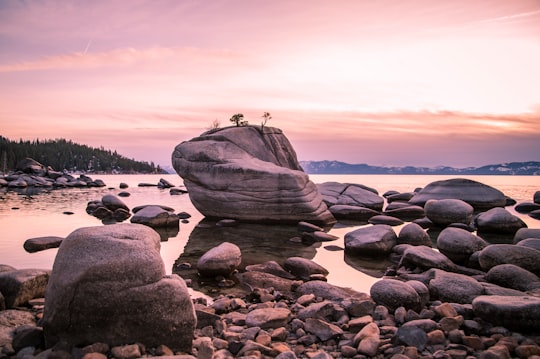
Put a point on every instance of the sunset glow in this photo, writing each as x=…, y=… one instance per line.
x=413, y=82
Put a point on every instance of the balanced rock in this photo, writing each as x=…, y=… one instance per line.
x=443, y=212
x=373, y=240
x=248, y=173
x=220, y=260
x=478, y=195
x=499, y=220
x=109, y=285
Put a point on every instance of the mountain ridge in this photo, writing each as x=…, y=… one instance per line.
x=526, y=168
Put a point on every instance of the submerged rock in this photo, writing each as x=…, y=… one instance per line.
x=249, y=174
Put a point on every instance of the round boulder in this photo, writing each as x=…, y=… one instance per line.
x=372, y=240
x=521, y=313
x=521, y=256
x=458, y=244
x=303, y=268
x=220, y=260
x=453, y=287
x=443, y=212
x=394, y=293
x=498, y=220
x=415, y=235
x=524, y=233
x=512, y=276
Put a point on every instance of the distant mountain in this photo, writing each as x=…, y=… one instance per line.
x=530, y=168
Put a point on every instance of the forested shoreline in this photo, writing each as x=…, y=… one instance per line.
x=65, y=155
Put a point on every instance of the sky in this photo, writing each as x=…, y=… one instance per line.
x=409, y=82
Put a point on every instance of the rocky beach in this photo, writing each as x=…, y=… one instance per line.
x=461, y=277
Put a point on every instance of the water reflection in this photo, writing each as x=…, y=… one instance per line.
x=373, y=267
x=259, y=243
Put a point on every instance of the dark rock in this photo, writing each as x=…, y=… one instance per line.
x=453, y=287
x=518, y=313
x=411, y=336
x=308, y=227
x=20, y=285
x=155, y=216
x=384, y=219
x=400, y=197
x=221, y=260
x=443, y=212
x=512, y=276
x=27, y=336
x=415, y=235
x=458, y=244
x=535, y=214
x=526, y=207
x=530, y=243
x=270, y=267
x=406, y=213
x=393, y=293
x=524, y=257
x=524, y=233
x=352, y=213
x=113, y=203
x=373, y=240
x=498, y=220
x=425, y=258
x=303, y=268
x=37, y=244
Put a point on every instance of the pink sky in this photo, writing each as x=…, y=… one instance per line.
x=414, y=82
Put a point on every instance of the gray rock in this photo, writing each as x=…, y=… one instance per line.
x=322, y=329
x=415, y=235
x=101, y=280
x=517, y=313
x=249, y=174
x=443, y=212
x=425, y=257
x=328, y=291
x=524, y=233
x=410, y=336
x=406, y=213
x=21, y=285
x=524, y=257
x=498, y=220
x=266, y=318
x=255, y=279
x=270, y=267
x=394, y=293
x=349, y=194
x=384, y=219
x=512, y=276
x=526, y=207
x=372, y=240
x=37, y=244
x=477, y=194
x=453, y=287
x=531, y=243
x=155, y=216
x=11, y=319
x=458, y=244
x=220, y=260
x=303, y=268
x=113, y=203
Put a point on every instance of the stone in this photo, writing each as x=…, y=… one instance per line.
x=374, y=240
x=109, y=284
x=29, y=165
x=524, y=233
x=526, y=207
x=517, y=313
x=411, y=336
x=453, y=287
x=322, y=329
x=535, y=214
x=512, y=276
x=270, y=267
x=498, y=220
x=394, y=293
x=303, y=268
x=155, y=216
x=536, y=197
x=11, y=319
x=406, y=213
x=21, y=285
x=38, y=244
x=248, y=173
x=458, y=244
x=478, y=195
x=385, y=219
x=267, y=318
x=256, y=279
x=328, y=291
x=443, y=212
x=426, y=258
x=524, y=257
x=414, y=234
x=220, y=260
x=530, y=243
x=335, y=193
x=352, y=213
x=113, y=203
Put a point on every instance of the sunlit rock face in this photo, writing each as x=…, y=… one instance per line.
x=248, y=173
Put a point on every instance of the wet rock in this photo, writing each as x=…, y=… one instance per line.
x=384, y=219
x=498, y=220
x=374, y=240
x=394, y=293
x=512, y=276
x=443, y=212
x=113, y=203
x=415, y=235
x=304, y=268
x=526, y=207
x=453, y=287
x=518, y=313
x=155, y=216
x=352, y=213
x=524, y=233
x=458, y=244
x=524, y=257
x=220, y=260
x=335, y=193
x=38, y=244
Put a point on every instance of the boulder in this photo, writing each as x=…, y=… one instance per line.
x=531, y=243
x=513, y=312
x=498, y=220
x=394, y=293
x=29, y=165
x=352, y=213
x=524, y=233
x=415, y=235
x=512, y=276
x=155, y=216
x=458, y=244
x=220, y=260
x=477, y=194
x=20, y=285
x=384, y=219
x=349, y=194
x=425, y=258
x=113, y=203
x=453, y=287
x=109, y=285
x=536, y=197
x=521, y=256
x=304, y=268
x=248, y=173
x=373, y=240
x=526, y=207
x=406, y=212
x=37, y=244
x=330, y=292
x=443, y=212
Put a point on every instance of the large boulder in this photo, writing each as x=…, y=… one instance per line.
x=375, y=240
x=20, y=285
x=514, y=312
x=500, y=221
x=521, y=256
x=220, y=260
x=477, y=194
x=335, y=193
x=394, y=293
x=109, y=284
x=443, y=212
x=458, y=244
x=248, y=173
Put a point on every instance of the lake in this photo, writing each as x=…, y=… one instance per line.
x=24, y=216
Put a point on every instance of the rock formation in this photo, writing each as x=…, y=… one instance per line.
x=249, y=174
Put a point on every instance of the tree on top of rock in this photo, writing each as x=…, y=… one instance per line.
x=238, y=119
x=266, y=116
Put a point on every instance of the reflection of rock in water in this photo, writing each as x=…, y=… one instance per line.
x=258, y=243
x=374, y=267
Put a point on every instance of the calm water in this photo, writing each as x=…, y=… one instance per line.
x=24, y=216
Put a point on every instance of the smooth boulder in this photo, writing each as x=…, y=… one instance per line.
x=220, y=260
x=521, y=256
x=250, y=174
x=109, y=285
x=443, y=212
x=500, y=221
x=373, y=240
x=514, y=312
x=393, y=293
x=459, y=244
